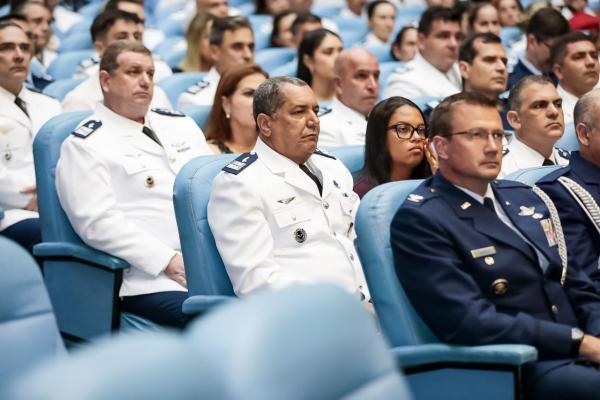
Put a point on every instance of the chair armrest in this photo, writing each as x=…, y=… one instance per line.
x=202, y=303
x=505, y=354
x=80, y=253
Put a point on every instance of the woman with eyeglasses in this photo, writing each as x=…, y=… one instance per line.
x=395, y=145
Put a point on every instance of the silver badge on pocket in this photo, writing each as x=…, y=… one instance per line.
x=300, y=235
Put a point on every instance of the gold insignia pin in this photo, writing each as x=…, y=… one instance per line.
x=489, y=260
x=500, y=286
x=149, y=182
x=526, y=211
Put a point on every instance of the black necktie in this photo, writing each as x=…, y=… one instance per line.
x=150, y=133
x=547, y=162
x=21, y=104
x=313, y=177
x=489, y=204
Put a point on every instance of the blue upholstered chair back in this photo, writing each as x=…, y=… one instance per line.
x=199, y=114
x=46, y=150
x=399, y=321
x=530, y=176
x=205, y=271
x=81, y=40
x=383, y=53
x=28, y=330
x=139, y=366
x=274, y=57
x=65, y=64
x=302, y=342
x=353, y=157
x=568, y=141
x=59, y=89
x=176, y=84
x=385, y=70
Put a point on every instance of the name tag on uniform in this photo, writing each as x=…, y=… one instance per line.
x=549, y=231
x=484, y=251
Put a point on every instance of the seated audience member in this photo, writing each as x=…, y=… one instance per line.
x=271, y=7
x=479, y=258
x=356, y=80
x=198, y=56
x=231, y=43
x=281, y=35
x=316, y=57
x=64, y=17
x=483, y=18
x=381, y=16
x=304, y=22
x=405, y=47
x=434, y=70
x=107, y=28
x=482, y=63
x=535, y=113
x=543, y=28
x=115, y=181
x=39, y=18
x=284, y=213
x=509, y=12
x=231, y=127
x=574, y=8
x=395, y=146
x=152, y=36
x=22, y=113
x=115, y=25
x=216, y=8
x=353, y=9
x=575, y=189
x=575, y=63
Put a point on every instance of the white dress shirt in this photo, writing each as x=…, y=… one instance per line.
x=520, y=156
x=342, y=126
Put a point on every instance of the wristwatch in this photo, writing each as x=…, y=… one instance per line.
x=576, y=339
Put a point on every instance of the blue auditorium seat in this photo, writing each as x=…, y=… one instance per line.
x=351, y=37
x=66, y=64
x=149, y=366
x=1, y=213
x=76, y=41
x=274, y=57
x=385, y=70
x=83, y=283
x=168, y=45
x=59, y=89
x=262, y=39
x=176, y=84
x=381, y=53
x=199, y=114
x=568, y=141
x=530, y=176
x=426, y=102
x=326, y=10
x=208, y=282
x=459, y=372
x=301, y=342
x=510, y=35
x=171, y=27
x=288, y=69
x=4, y=10
x=173, y=59
x=80, y=27
x=28, y=331
x=353, y=157
x=91, y=9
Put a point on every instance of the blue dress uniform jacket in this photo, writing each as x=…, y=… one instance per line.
x=583, y=240
x=474, y=281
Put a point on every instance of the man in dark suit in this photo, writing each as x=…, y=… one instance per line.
x=479, y=258
x=544, y=27
x=575, y=189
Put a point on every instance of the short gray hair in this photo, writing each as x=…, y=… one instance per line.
x=269, y=97
x=585, y=109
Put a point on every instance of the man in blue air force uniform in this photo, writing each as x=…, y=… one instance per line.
x=575, y=190
x=479, y=258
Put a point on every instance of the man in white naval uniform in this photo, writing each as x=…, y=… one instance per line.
x=231, y=43
x=434, y=70
x=575, y=63
x=115, y=181
x=110, y=25
x=356, y=90
x=535, y=113
x=284, y=213
x=22, y=113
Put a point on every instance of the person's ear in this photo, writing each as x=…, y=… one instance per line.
x=440, y=144
x=226, y=104
x=104, y=77
x=513, y=119
x=263, y=122
x=465, y=70
x=583, y=134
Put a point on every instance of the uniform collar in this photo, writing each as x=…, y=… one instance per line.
x=586, y=170
x=522, y=151
x=212, y=76
x=5, y=94
x=529, y=66
x=275, y=161
x=568, y=96
x=488, y=193
x=347, y=113
x=451, y=75
x=127, y=125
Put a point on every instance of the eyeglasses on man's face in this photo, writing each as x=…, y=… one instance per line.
x=481, y=135
x=405, y=130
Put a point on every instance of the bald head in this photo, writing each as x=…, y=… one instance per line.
x=357, y=79
x=587, y=126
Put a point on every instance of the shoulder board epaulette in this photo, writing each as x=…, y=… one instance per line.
x=419, y=196
x=87, y=129
x=240, y=163
x=88, y=62
x=563, y=153
x=505, y=151
x=197, y=87
x=170, y=113
x=324, y=111
x=323, y=153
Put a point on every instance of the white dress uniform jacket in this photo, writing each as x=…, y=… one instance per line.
x=90, y=67
x=116, y=187
x=518, y=155
x=371, y=40
x=568, y=103
x=84, y=96
x=17, y=132
x=201, y=93
x=272, y=228
x=419, y=78
x=342, y=126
